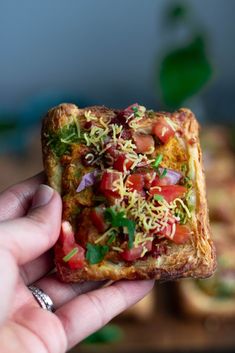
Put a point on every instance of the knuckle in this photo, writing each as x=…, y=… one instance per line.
x=19, y=198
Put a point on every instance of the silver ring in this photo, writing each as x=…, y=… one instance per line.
x=42, y=298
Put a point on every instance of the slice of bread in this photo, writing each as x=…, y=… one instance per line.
x=142, y=215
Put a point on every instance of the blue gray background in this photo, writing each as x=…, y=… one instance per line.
x=103, y=51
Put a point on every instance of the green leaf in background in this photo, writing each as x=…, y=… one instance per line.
x=183, y=72
x=108, y=334
x=176, y=12
x=7, y=126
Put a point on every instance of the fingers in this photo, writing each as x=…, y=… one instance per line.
x=34, y=270
x=87, y=313
x=62, y=293
x=28, y=237
x=7, y=283
x=16, y=200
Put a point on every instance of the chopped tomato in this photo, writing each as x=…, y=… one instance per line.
x=162, y=130
x=169, y=192
x=148, y=178
x=113, y=151
x=144, y=143
x=135, y=253
x=129, y=110
x=67, y=233
x=77, y=261
x=135, y=182
x=122, y=162
x=107, y=186
x=97, y=217
x=68, y=244
x=182, y=234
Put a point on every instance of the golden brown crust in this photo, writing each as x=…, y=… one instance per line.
x=196, y=259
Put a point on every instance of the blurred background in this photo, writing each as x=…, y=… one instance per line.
x=162, y=54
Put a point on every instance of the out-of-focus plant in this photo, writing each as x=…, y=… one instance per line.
x=186, y=68
x=108, y=334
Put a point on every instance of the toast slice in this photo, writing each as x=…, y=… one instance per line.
x=133, y=191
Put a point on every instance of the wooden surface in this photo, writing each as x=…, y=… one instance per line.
x=167, y=334
x=168, y=331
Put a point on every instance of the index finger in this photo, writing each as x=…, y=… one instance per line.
x=16, y=200
x=87, y=313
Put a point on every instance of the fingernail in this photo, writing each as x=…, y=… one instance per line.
x=42, y=196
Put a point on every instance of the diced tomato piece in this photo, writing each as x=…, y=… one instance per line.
x=122, y=162
x=113, y=151
x=129, y=110
x=161, y=181
x=182, y=234
x=67, y=233
x=162, y=130
x=97, y=217
x=169, y=192
x=77, y=261
x=107, y=186
x=135, y=182
x=68, y=244
x=135, y=253
x=148, y=178
x=144, y=143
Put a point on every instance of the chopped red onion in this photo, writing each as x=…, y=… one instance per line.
x=172, y=177
x=87, y=180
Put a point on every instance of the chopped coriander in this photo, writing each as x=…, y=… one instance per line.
x=96, y=253
x=181, y=214
x=69, y=256
x=158, y=161
x=111, y=239
x=187, y=182
x=158, y=197
x=135, y=109
x=60, y=141
x=164, y=173
x=184, y=168
x=118, y=219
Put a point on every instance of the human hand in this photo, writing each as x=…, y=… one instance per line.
x=30, y=218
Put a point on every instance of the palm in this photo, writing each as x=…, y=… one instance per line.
x=80, y=309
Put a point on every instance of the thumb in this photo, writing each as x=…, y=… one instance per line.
x=30, y=236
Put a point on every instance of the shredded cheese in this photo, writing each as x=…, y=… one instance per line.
x=149, y=217
x=89, y=116
x=103, y=236
x=117, y=248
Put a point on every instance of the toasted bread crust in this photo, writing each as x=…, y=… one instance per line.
x=196, y=259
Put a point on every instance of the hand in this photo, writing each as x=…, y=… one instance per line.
x=30, y=218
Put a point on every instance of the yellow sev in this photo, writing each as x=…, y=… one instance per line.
x=148, y=216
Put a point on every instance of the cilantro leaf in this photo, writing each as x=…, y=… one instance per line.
x=60, y=142
x=96, y=253
x=157, y=161
x=158, y=197
x=118, y=219
x=111, y=239
x=164, y=173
